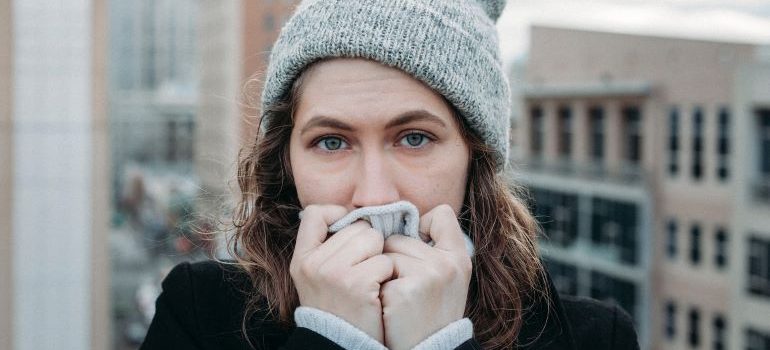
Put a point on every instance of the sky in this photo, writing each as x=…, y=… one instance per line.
x=722, y=20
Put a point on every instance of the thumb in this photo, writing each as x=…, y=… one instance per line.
x=314, y=226
x=440, y=225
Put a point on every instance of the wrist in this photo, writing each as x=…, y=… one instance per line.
x=449, y=337
x=335, y=329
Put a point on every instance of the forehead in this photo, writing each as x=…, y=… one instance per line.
x=358, y=89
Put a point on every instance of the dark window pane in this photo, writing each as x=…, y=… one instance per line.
x=673, y=143
x=632, y=120
x=608, y=288
x=671, y=238
x=719, y=334
x=694, y=328
x=557, y=213
x=670, y=326
x=757, y=340
x=723, y=143
x=759, y=266
x=764, y=141
x=614, y=227
x=564, y=276
x=695, y=244
x=596, y=115
x=536, y=136
x=720, y=258
x=697, y=144
x=565, y=131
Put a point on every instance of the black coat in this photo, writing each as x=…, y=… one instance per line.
x=201, y=307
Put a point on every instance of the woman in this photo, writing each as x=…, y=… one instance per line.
x=370, y=105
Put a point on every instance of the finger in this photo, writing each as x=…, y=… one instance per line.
x=363, y=244
x=441, y=225
x=407, y=246
x=334, y=242
x=379, y=267
x=314, y=225
x=404, y=265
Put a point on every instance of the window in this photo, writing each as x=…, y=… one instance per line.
x=632, y=121
x=764, y=142
x=596, y=116
x=695, y=244
x=720, y=254
x=719, y=332
x=557, y=214
x=179, y=136
x=614, y=226
x=608, y=288
x=565, y=131
x=762, y=186
x=723, y=144
x=671, y=238
x=564, y=276
x=757, y=340
x=759, y=266
x=673, y=141
x=670, y=322
x=697, y=144
x=694, y=328
x=537, y=128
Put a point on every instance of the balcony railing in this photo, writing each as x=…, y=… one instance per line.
x=626, y=173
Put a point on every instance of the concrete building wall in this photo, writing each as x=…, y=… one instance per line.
x=752, y=91
x=6, y=174
x=236, y=40
x=582, y=68
x=58, y=250
x=217, y=129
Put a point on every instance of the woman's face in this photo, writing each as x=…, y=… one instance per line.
x=366, y=134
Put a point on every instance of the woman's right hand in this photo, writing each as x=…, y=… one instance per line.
x=342, y=274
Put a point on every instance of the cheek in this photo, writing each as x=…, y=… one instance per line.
x=317, y=187
x=436, y=185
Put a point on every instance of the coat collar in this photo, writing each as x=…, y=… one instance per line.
x=545, y=325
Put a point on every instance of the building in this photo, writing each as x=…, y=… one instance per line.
x=632, y=149
x=750, y=278
x=236, y=38
x=54, y=270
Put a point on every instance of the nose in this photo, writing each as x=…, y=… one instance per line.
x=374, y=182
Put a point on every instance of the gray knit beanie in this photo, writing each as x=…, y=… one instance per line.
x=450, y=45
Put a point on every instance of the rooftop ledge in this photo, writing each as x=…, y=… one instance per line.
x=599, y=89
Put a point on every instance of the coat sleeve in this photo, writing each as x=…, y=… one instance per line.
x=177, y=325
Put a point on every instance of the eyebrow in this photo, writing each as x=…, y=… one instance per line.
x=401, y=119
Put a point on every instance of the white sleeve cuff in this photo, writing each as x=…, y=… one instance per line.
x=335, y=329
x=449, y=337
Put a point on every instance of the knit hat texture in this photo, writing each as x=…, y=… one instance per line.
x=450, y=45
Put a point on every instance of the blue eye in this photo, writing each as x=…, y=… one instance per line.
x=414, y=140
x=331, y=143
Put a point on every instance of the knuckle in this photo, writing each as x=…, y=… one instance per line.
x=306, y=268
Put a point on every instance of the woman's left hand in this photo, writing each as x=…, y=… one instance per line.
x=430, y=284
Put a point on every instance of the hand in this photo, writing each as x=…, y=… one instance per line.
x=342, y=274
x=430, y=284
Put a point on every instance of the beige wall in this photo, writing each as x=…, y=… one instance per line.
x=6, y=176
x=100, y=272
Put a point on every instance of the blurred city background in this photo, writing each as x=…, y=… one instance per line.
x=641, y=128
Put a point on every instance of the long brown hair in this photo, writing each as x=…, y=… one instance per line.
x=507, y=272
